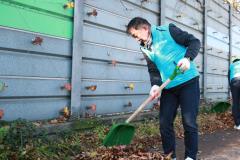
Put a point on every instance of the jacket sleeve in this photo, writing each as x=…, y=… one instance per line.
x=153, y=71
x=185, y=39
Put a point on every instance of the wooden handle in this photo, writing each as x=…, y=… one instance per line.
x=148, y=100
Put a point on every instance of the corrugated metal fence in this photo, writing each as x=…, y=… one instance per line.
x=104, y=64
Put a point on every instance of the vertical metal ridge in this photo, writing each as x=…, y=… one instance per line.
x=77, y=58
x=230, y=40
x=162, y=12
x=205, y=50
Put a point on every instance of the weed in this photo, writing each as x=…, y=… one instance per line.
x=20, y=132
x=100, y=131
x=148, y=128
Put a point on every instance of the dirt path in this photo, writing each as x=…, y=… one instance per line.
x=222, y=145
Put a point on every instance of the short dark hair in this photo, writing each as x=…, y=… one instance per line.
x=235, y=60
x=136, y=23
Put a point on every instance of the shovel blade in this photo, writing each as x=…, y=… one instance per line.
x=119, y=134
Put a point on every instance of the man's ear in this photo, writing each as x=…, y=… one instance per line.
x=145, y=27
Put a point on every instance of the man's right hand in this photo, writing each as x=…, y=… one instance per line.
x=154, y=92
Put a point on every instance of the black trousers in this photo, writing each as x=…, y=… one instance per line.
x=187, y=97
x=235, y=90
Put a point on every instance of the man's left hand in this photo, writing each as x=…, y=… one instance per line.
x=184, y=64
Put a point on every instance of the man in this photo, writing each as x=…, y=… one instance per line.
x=234, y=79
x=164, y=47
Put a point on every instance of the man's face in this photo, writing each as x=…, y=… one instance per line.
x=141, y=34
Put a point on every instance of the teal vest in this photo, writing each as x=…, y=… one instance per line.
x=166, y=53
x=234, y=70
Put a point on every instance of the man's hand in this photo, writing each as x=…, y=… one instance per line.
x=154, y=92
x=184, y=64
